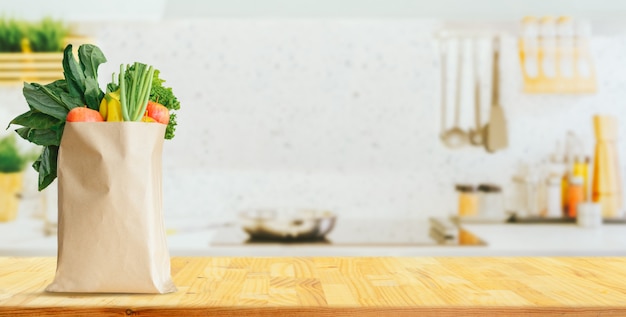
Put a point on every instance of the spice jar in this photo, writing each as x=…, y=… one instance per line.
x=468, y=200
x=490, y=201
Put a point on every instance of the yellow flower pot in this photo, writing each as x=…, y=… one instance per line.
x=10, y=189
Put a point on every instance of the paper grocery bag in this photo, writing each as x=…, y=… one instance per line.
x=111, y=237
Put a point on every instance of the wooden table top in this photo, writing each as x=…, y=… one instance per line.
x=342, y=286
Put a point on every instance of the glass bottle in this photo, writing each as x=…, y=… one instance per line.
x=575, y=195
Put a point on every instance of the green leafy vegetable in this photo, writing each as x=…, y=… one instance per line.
x=35, y=119
x=165, y=96
x=90, y=59
x=74, y=76
x=49, y=104
x=46, y=166
x=43, y=99
x=135, y=83
x=158, y=93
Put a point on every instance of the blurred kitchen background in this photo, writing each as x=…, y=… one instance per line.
x=337, y=105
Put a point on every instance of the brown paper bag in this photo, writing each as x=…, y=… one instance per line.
x=111, y=235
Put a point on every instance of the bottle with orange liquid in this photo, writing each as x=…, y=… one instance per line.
x=575, y=195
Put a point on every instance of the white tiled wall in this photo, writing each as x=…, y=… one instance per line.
x=337, y=114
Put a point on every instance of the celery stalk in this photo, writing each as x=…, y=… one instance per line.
x=135, y=90
x=123, y=97
x=133, y=93
x=144, y=93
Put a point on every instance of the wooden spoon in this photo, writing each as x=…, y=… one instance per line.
x=456, y=137
x=497, y=134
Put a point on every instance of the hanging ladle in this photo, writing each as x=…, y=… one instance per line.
x=476, y=134
x=454, y=137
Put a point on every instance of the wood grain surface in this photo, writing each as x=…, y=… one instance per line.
x=342, y=286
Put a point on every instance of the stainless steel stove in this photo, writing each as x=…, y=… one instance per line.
x=366, y=233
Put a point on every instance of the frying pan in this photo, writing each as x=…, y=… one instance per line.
x=287, y=224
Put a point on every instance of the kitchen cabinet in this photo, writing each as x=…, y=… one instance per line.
x=341, y=286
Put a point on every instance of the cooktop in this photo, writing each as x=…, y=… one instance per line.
x=363, y=232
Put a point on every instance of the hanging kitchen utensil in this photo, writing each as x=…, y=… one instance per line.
x=443, y=87
x=456, y=137
x=496, y=137
x=476, y=134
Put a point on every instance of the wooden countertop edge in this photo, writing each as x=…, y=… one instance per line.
x=317, y=311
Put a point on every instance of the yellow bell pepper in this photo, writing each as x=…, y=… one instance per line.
x=110, y=107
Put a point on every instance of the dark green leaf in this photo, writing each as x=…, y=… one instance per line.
x=59, y=89
x=73, y=73
x=44, y=100
x=42, y=137
x=23, y=132
x=58, y=86
x=58, y=130
x=37, y=162
x=90, y=59
x=93, y=94
x=71, y=102
x=35, y=119
x=46, y=165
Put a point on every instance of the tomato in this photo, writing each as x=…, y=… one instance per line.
x=83, y=114
x=158, y=112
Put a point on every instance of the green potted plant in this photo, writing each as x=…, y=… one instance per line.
x=12, y=165
x=33, y=51
x=12, y=34
x=47, y=35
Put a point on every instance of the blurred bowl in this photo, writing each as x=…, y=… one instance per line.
x=288, y=224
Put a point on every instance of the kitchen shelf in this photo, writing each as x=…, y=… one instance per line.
x=16, y=68
x=538, y=220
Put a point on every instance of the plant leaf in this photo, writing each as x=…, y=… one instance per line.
x=42, y=99
x=35, y=119
x=93, y=94
x=58, y=86
x=43, y=137
x=46, y=166
x=23, y=132
x=73, y=73
x=90, y=59
x=60, y=90
x=71, y=102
